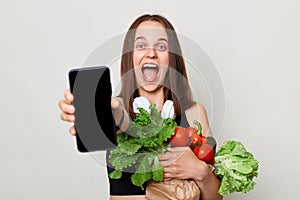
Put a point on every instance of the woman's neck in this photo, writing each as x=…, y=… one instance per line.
x=156, y=97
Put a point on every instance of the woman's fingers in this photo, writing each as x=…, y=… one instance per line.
x=165, y=156
x=67, y=117
x=68, y=110
x=166, y=163
x=169, y=169
x=171, y=156
x=65, y=107
x=173, y=172
x=181, y=162
x=168, y=158
x=177, y=149
x=173, y=153
x=68, y=96
x=170, y=172
x=72, y=130
x=65, y=104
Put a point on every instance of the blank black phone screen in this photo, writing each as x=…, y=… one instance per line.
x=94, y=121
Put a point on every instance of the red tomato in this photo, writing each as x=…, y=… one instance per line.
x=205, y=152
x=191, y=132
x=180, y=138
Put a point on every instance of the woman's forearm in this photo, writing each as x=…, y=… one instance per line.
x=209, y=186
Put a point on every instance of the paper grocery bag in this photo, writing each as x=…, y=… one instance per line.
x=174, y=189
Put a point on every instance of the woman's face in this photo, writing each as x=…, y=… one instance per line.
x=150, y=56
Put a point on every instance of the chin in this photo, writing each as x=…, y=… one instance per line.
x=150, y=88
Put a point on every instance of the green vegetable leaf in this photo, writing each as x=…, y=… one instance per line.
x=158, y=170
x=116, y=174
x=143, y=172
x=236, y=167
x=139, y=145
x=142, y=118
x=167, y=129
x=128, y=147
x=121, y=161
x=122, y=137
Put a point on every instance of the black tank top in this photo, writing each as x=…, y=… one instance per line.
x=124, y=186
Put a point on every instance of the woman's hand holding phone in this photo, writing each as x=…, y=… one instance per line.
x=68, y=110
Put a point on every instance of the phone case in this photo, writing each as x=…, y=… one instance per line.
x=94, y=121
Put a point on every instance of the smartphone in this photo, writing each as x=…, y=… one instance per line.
x=94, y=121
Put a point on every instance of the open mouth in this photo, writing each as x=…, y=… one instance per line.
x=150, y=72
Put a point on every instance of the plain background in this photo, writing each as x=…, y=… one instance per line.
x=254, y=45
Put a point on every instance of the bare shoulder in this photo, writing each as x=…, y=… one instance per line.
x=198, y=112
x=199, y=107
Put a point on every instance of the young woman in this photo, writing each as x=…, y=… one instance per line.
x=152, y=67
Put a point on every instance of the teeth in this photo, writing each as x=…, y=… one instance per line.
x=150, y=65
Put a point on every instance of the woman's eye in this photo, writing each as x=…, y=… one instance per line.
x=140, y=46
x=162, y=47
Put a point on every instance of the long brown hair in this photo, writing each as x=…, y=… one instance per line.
x=176, y=83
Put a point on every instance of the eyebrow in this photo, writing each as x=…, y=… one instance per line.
x=143, y=38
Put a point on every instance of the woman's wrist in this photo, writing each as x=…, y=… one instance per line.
x=119, y=124
x=123, y=122
x=205, y=172
x=209, y=184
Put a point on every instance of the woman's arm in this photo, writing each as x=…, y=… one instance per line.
x=198, y=112
x=66, y=106
x=182, y=163
x=209, y=184
x=121, y=116
x=207, y=181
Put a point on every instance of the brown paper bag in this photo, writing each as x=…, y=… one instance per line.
x=174, y=189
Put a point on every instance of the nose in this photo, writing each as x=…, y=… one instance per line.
x=151, y=53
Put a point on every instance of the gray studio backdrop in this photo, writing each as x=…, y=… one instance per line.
x=253, y=46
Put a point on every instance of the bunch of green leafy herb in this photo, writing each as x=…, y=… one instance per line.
x=139, y=146
x=236, y=167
